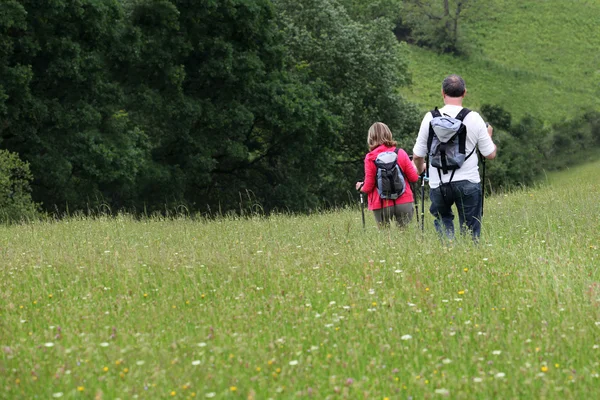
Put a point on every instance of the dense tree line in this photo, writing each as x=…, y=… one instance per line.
x=147, y=105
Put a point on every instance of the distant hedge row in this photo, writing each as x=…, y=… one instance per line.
x=527, y=148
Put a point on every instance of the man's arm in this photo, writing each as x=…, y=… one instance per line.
x=420, y=148
x=490, y=131
x=419, y=164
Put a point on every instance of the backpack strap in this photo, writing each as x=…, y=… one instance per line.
x=463, y=132
x=399, y=167
x=462, y=114
x=471, y=153
x=449, y=180
x=434, y=113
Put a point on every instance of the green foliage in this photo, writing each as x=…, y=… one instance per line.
x=528, y=148
x=357, y=67
x=497, y=116
x=436, y=23
x=265, y=104
x=63, y=111
x=225, y=117
x=15, y=191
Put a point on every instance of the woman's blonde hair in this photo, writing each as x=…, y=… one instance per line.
x=379, y=134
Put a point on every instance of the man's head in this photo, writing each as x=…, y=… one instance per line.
x=454, y=86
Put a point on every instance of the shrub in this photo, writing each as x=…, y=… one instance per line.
x=16, y=203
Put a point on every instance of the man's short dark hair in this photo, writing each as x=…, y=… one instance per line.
x=454, y=86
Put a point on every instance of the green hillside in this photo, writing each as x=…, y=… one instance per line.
x=537, y=56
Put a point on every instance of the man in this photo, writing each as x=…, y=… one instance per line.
x=462, y=186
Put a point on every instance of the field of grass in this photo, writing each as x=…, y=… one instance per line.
x=536, y=57
x=308, y=306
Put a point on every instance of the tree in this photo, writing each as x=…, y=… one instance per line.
x=14, y=78
x=65, y=114
x=436, y=23
x=15, y=190
x=207, y=83
x=358, y=68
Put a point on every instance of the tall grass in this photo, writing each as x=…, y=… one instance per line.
x=300, y=306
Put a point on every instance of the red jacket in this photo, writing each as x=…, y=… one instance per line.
x=370, y=184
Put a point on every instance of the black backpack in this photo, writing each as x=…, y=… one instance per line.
x=390, y=179
x=446, y=145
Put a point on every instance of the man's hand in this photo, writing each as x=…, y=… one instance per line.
x=490, y=129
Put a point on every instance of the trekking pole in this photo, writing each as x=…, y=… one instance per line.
x=412, y=186
x=362, y=205
x=483, y=177
x=416, y=202
x=482, y=183
x=423, y=178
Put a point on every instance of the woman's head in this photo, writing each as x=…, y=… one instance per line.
x=379, y=134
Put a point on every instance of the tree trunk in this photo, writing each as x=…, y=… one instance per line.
x=447, y=16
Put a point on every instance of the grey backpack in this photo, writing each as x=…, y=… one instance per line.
x=390, y=178
x=446, y=145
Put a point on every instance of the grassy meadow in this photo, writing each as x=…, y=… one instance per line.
x=538, y=57
x=308, y=306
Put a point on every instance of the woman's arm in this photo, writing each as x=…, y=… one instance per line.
x=370, y=172
x=407, y=166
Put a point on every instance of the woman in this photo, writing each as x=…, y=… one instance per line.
x=401, y=209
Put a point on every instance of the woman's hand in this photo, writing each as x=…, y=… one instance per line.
x=359, y=185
